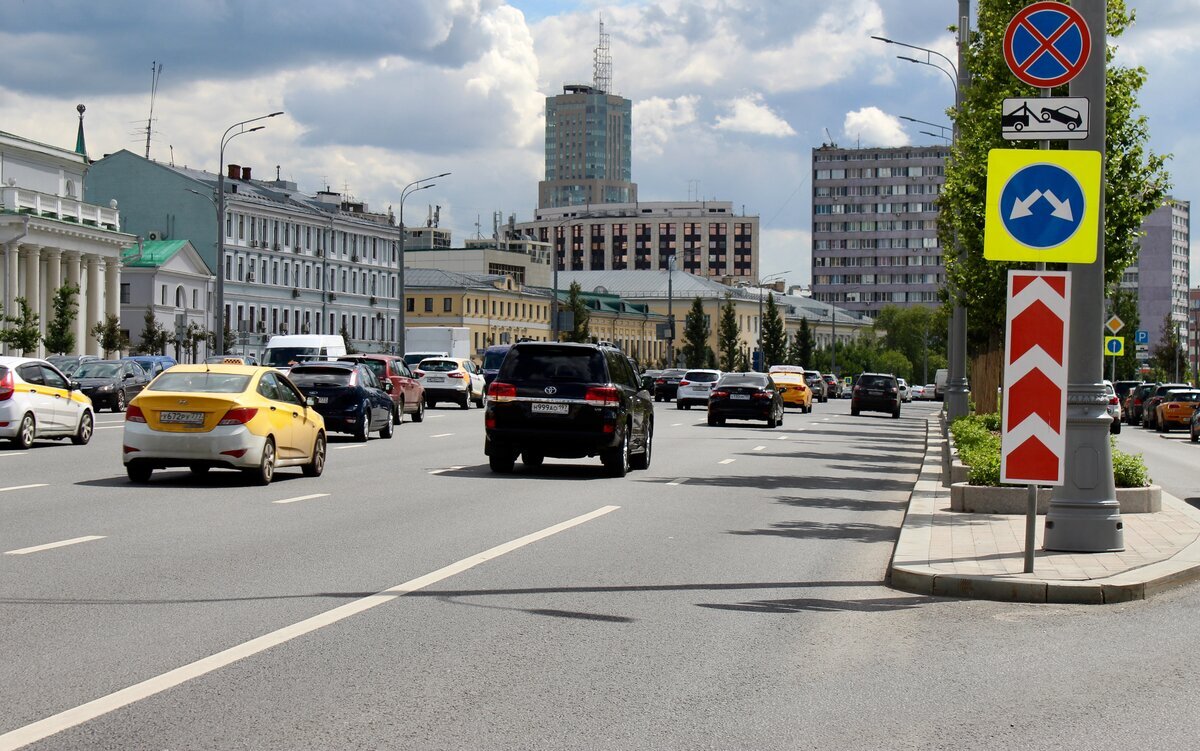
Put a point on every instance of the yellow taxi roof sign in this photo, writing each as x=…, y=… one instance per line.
x=1042, y=206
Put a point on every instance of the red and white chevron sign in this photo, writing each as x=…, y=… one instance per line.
x=1034, y=440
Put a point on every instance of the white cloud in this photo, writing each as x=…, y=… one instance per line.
x=871, y=126
x=749, y=114
x=657, y=121
x=787, y=250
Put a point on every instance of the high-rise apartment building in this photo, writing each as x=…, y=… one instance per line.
x=589, y=142
x=874, y=238
x=1161, y=275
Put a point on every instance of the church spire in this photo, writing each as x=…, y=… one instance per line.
x=80, y=144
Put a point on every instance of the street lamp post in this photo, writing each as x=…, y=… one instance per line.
x=670, y=302
x=943, y=128
x=763, y=280
x=226, y=137
x=409, y=189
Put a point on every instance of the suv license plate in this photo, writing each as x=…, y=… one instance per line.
x=435, y=379
x=182, y=418
x=546, y=408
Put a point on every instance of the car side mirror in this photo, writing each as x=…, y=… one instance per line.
x=72, y=385
x=128, y=376
x=387, y=386
x=310, y=401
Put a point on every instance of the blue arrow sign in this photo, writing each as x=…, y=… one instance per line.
x=1114, y=345
x=1042, y=205
x=1141, y=336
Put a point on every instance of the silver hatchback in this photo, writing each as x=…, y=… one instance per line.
x=694, y=388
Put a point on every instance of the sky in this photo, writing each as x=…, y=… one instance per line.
x=729, y=96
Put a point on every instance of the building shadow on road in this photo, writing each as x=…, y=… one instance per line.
x=806, y=530
x=816, y=605
x=801, y=482
x=846, y=504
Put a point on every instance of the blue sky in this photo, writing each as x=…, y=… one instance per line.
x=730, y=96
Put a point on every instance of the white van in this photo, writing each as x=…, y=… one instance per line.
x=940, y=379
x=290, y=349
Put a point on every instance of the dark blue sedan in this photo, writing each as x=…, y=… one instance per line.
x=349, y=396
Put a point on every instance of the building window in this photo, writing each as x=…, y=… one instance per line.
x=428, y=304
x=410, y=304
x=447, y=304
x=125, y=293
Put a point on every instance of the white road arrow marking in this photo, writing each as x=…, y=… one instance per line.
x=1062, y=209
x=1020, y=208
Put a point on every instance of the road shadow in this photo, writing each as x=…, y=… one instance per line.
x=522, y=473
x=801, y=482
x=844, y=504
x=170, y=478
x=805, y=530
x=814, y=605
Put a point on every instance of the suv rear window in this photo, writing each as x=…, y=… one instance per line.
x=876, y=381
x=747, y=379
x=438, y=366
x=700, y=376
x=554, y=364
x=310, y=375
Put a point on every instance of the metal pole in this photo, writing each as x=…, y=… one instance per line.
x=670, y=312
x=1084, y=515
x=404, y=193
x=958, y=389
x=554, y=295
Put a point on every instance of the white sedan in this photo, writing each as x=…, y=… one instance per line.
x=917, y=392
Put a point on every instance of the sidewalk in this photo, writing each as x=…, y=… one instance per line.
x=955, y=554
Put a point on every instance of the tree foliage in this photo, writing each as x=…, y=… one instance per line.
x=109, y=335
x=154, y=335
x=576, y=304
x=24, y=331
x=774, y=335
x=60, y=331
x=728, y=335
x=192, y=338
x=918, y=333
x=801, y=351
x=1169, y=359
x=696, y=352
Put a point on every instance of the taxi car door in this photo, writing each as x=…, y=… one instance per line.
x=281, y=419
x=304, y=428
x=37, y=397
x=67, y=411
x=476, y=376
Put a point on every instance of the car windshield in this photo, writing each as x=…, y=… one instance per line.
x=550, y=364
x=204, y=383
x=876, y=382
x=98, y=370
x=1162, y=390
x=492, y=360
x=315, y=375
x=378, y=367
x=758, y=381
x=438, y=366
x=284, y=356
x=701, y=376
x=1184, y=396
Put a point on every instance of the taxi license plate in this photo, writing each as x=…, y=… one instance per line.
x=182, y=418
x=545, y=408
x=741, y=397
x=435, y=379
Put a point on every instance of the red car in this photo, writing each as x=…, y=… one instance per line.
x=407, y=391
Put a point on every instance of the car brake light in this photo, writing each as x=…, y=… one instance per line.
x=1113, y=400
x=501, y=392
x=457, y=374
x=133, y=413
x=238, y=416
x=685, y=383
x=761, y=395
x=603, y=396
x=8, y=385
x=720, y=394
x=660, y=380
x=418, y=374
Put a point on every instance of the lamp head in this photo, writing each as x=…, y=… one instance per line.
x=885, y=40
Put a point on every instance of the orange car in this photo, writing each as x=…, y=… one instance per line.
x=1177, y=408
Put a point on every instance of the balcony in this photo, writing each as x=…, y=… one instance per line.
x=33, y=203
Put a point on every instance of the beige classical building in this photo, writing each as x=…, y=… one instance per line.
x=50, y=237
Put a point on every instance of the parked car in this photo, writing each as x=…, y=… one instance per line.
x=905, y=394
x=152, y=364
x=917, y=391
x=38, y=401
x=745, y=396
x=67, y=364
x=816, y=382
x=876, y=392
x=931, y=391
x=648, y=377
x=1114, y=408
x=348, y=396
x=694, y=387
x=407, y=393
x=222, y=416
x=666, y=385
x=1136, y=401
x=111, y=383
x=1150, y=405
x=1176, y=409
x=450, y=379
x=1123, y=389
x=793, y=389
x=833, y=387
x=492, y=358
x=565, y=400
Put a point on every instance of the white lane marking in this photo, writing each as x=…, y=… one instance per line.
x=782, y=438
x=825, y=419
x=441, y=435
x=758, y=448
x=303, y=498
x=13, y=453
x=678, y=481
x=52, y=545
x=109, y=427
x=727, y=461
x=25, y=487
x=48, y=726
x=445, y=469
x=346, y=448
x=676, y=424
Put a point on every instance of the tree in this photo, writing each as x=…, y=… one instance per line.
x=154, y=335
x=894, y=362
x=1169, y=356
x=60, y=333
x=24, y=332
x=350, y=348
x=1123, y=303
x=228, y=336
x=728, y=335
x=802, y=345
x=192, y=338
x=774, y=336
x=1135, y=179
x=577, y=305
x=742, y=363
x=917, y=332
x=109, y=336
x=696, y=330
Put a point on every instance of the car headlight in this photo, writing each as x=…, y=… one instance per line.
x=106, y=387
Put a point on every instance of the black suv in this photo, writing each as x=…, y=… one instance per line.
x=568, y=401
x=876, y=392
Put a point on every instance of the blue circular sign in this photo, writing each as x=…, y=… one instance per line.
x=1042, y=205
x=1114, y=346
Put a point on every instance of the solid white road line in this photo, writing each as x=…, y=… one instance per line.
x=303, y=498
x=676, y=424
x=445, y=469
x=14, y=453
x=727, y=461
x=346, y=448
x=24, y=487
x=678, y=481
x=109, y=427
x=759, y=448
x=47, y=727
x=441, y=435
x=52, y=545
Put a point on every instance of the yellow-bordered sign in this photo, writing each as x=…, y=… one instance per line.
x=1114, y=346
x=1042, y=206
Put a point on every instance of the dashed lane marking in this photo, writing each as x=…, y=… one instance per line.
x=759, y=448
x=347, y=448
x=109, y=427
x=782, y=438
x=25, y=487
x=51, y=545
x=678, y=481
x=441, y=435
x=727, y=461
x=445, y=469
x=70, y=718
x=13, y=453
x=303, y=498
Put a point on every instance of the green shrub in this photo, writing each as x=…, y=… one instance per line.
x=1129, y=470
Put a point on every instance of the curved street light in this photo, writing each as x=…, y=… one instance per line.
x=773, y=277
x=405, y=192
x=219, y=313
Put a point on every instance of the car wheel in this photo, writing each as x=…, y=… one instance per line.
x=265, y=471
x=1116, y=427
x=712, y=420
x=419, y=415
x=1163, y=427
x=479, y=401
x=896, y=413
x=616, y=461
x=389, y=428
x=362, y=431
x=642, y=460
x=84, y=433
x=429, y=402
x=198, y=469
x=854, y=411
x=1195, y=436
x=119, y=404
x=25, y=433
x=771, y=421
x=138, y=472
x=501, y=461
x=315, y=467
x=532, y=460
x=398, y=415
x=678, y=405
x=465, y=401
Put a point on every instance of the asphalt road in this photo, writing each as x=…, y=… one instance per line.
x=1170, y=457
x=730, y=597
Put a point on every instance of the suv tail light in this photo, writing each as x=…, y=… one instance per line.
x=1113, y=400
x=501, y=392
x=8, y=385
x=685, y=383
x=133, y=413
x=418, y=374
x=603, y=396
x=238, y=416
x=457, y=374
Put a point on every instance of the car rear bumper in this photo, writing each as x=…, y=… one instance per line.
x=875, y=405
x=227, y=445
x=737, y=411
x=561, y=444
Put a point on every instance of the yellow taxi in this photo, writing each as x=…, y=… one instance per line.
x=794, y=390
x=1177, y=408
x=227, y=416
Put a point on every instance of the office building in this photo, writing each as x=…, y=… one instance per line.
x=1161, y=274
x=874, y=237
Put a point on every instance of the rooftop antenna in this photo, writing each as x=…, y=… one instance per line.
x=830, y=137
x=155, y=71
x=602, y=63
x=172, y=148
x=478, y=228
